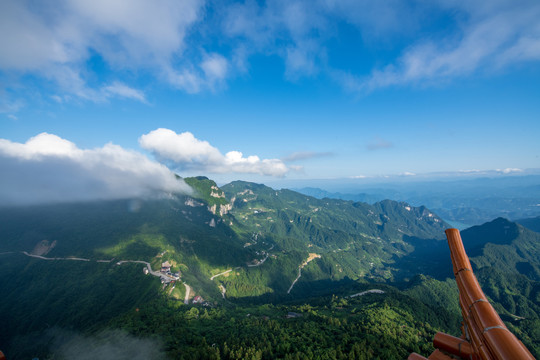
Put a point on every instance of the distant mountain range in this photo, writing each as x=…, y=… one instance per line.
x=532, y=223
x=464, y=202
x=247, y=245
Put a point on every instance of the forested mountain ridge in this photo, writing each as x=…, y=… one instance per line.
x=504, y=245
x=353, y=240
x=388, y=217
x=240, y=226
x=242, y=247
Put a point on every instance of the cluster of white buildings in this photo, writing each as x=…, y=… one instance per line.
x=166, y=270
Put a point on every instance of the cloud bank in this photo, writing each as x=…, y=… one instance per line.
x=187, y=152
x=48, y=168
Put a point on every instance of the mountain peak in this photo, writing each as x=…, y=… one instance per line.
x=500, y=231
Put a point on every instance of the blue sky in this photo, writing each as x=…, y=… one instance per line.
x=302, y=89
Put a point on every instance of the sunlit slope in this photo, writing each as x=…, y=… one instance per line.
x=314, y=221
x=352, y=240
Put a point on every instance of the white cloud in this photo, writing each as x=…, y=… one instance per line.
x=144, y=32
x=300, y=60
x=293, y=30
x=59, y=99
x=187, y=80
x=214, y=67
x=492, y=38
x=210, y=73
x=180, y=148
x=19, y=25
x=59, y=40
x=121, y=90
x=379, y=21
x=468, y=171
x=496, y=34
x=187, y=152
x=48, y=168
x=297, y=168
x=509, y=170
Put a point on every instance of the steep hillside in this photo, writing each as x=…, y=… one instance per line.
x=339, y=238
x=208, y=191
x=506, y=260
x=180, y=230
x=504, y=245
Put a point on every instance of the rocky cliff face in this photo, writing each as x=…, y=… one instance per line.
x=220, y=210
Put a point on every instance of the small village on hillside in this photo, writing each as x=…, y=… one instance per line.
x=169, y=278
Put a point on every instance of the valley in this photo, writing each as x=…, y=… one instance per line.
x=377, y=274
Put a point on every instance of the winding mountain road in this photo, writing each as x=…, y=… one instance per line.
x=259, y=263
x=223, y=273
x=165, y=277
x=372, y=291
x=295, y=280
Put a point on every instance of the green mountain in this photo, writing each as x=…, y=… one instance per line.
x=340, y=239
x=504, y=245
x=270, y=269
x=506, y=260
x=241, y=226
